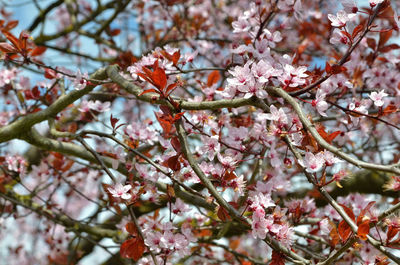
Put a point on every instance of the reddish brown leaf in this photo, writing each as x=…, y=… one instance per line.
x=173, y=163
x=12, y=39
x=277, y=259
x=152, y=90
x=363, y=230
x=175, y=57
x=384, y=37
x=389, y=47
x=334, y=235
x=114, y=32
x=131, y=229
x=176, y=144
x=348, y=211
x=38, y=51
x=159, y=78
x=178, y=116
x=360, y=218
x=213, y=78
x=344, y=231
x=357, y=30
x=371, y=43
x=229, y=175
x=223, y=214
x=50, y=74
x=132, y=248
x=170, y=88
x=7, y=48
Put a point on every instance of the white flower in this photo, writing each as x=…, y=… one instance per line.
x=377, y=98
x=120, y=191
x=80, y=80
x=312, y=163
x=340, y=19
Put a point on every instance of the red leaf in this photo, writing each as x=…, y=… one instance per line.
x=49, y=73
x=384, y=37
x=389, y=47
x=159, y=78
x=327, y=137
x=371, y=43
x=349, y=212
x=223, y=214
x=176, y=144
x=170, y=88
x=364, y=211
x=131, y=228
x=114, y=32
x=328, y=68
x=334, y=235
x=391, y=233
x=38, y=51
x=357, y=30
x=173, y=163
x=277, y=258
x=35, y=92
x=178, y=116
x=175, y=57
x=11, y=24
x=149, y=91
x=113, y=121
x=213, y=78
x=12, y=39
x=344, y=231
x=132, y=248
x=229, y=175
x=363, y=230
x=7, y=48
x=332, y=136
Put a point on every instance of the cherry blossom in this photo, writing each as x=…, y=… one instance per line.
x=80, y=81
x=340, y=19
x=319, y=103
x=313, y=163
x=377, y=97
x=293, y=76
x=121, y=191
x=338, y=37
x=350, y=6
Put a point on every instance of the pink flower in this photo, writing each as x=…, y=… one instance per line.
x=312, y=163
x=210, y=145
x=330, y=158
x=260, y=224
x=80, y=80
x=241, y=25
x=377, y=98
x=319, y=103
x=94, y=105
x=272, y=37
x=261, y=201
x=340, y=19
x=338, y=37
x=275, y=115
x=292, y=76
x=179, y=207
x=350, y=6
x=120, y=191
x=241, y=75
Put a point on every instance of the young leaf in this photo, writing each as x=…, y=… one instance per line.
x=213, y=78
x=132, y=248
